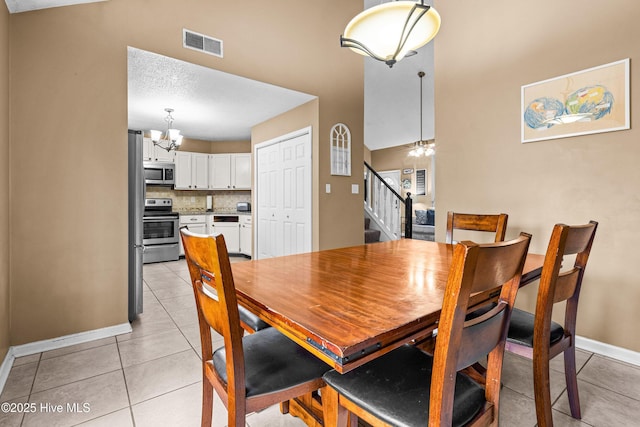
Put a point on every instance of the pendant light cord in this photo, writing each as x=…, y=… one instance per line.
x=421, y=75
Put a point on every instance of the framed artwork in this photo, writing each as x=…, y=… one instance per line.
x=588, y=101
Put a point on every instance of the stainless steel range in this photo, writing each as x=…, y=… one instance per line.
x=160, y=231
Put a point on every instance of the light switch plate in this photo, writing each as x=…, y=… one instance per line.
x=327, y=188
x=355, y=188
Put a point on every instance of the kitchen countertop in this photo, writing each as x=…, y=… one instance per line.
x=215, y=212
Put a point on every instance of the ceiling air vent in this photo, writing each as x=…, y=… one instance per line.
x=206, y=44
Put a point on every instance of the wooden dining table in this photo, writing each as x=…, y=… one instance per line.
x=350, y=305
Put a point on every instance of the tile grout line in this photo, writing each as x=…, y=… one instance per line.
x=126, y=386
x=32, y=385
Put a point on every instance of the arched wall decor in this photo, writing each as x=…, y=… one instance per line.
x=340, y=150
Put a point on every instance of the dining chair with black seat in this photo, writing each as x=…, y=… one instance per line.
x=536, y=336
x=408, y=387
x=250, y=372
x=492, y=223
x=249, y=321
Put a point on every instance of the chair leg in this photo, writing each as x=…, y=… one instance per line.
x=236, y=416
x=542, y=391
x=334, y=415
x=207, y=403
x=572, y=381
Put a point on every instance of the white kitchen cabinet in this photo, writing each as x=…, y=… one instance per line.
x=195, y=224
x=220, y=171
x=231, y=233
x=199, y=171
x=241, y=171
x=191, y=171
x=246, y=236
x=147, y=150
x=153, y=153
x=230, y=171
x=183, y=170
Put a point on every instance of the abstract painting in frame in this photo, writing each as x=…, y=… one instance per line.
x=588, y=101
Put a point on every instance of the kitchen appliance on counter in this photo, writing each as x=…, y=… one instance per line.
x=160, y=231
x=159, y=173
x=209, y=203
x=243, y=207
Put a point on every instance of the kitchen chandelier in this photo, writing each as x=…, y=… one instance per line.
x=422, y=147
x=171, y=139
x=391, y=31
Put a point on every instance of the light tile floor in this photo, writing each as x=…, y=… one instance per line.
x=151, y=377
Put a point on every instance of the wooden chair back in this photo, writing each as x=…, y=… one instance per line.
x=531, y=335
x=477, y=222
x=557, y=285
x=209, y=267
x=460, y=343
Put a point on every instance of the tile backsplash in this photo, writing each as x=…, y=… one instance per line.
x=197, y=200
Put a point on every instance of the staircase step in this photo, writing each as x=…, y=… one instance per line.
x=371, y=235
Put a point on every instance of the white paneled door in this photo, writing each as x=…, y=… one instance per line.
x=283, y=195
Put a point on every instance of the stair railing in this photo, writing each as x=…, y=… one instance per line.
x=382, y=203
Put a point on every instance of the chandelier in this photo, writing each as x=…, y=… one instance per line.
x=422, y=147
x=391, y=31
x=171, y=139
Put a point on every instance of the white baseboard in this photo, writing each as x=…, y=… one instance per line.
x=5, y=368
x=608, y=350
x=56, y=343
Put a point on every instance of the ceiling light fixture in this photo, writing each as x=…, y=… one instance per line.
x=422, y=147
x=171, y=139
x=391, y=31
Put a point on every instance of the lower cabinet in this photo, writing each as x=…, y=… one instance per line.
x=246, y=235
x=231, y=233
x=195, y=224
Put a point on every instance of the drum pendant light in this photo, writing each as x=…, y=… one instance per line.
x=391, y=31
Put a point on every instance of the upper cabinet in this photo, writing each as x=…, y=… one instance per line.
x=191, y=171
x=153, y=153
x=230, y=171
x=198, y=171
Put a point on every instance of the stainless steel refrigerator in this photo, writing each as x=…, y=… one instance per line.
x=136, y=212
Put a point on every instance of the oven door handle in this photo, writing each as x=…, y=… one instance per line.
x=159, y=218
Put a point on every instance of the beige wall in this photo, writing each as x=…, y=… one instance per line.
x=4, y=181
x=483, y=56
x=199, y=146
x=69, y=119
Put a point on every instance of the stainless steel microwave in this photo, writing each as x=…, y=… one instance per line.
x=157, y=173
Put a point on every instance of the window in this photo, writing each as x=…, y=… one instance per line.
x=421, y=182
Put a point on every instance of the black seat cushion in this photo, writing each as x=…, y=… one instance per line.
x=251, y=320
x=396, y=389
x=272, y=362
x=521, y=329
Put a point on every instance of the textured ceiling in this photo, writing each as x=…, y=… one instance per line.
x=209, y=104
x=16, y=6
